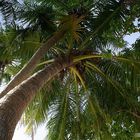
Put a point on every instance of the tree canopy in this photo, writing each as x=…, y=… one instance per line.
x=97, y=95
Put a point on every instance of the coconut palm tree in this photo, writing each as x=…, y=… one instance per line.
x=81, y=65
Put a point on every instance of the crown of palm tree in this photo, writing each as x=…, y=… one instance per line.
x=84, y=100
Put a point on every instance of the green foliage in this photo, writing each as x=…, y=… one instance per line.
x=97, y=96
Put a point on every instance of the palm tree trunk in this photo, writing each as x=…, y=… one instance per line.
x=32, y=135
x=14, y=102
x=25, y=72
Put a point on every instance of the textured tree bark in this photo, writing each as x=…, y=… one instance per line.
x=14, y=102
x=25, y=72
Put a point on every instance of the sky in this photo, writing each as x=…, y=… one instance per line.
x=132, y=38
x=20, y=133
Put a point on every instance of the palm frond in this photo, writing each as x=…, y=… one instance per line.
x=8, y=9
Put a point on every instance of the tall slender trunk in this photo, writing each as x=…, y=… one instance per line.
x=25, y=72
x=32, y=135
x=14, y=102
